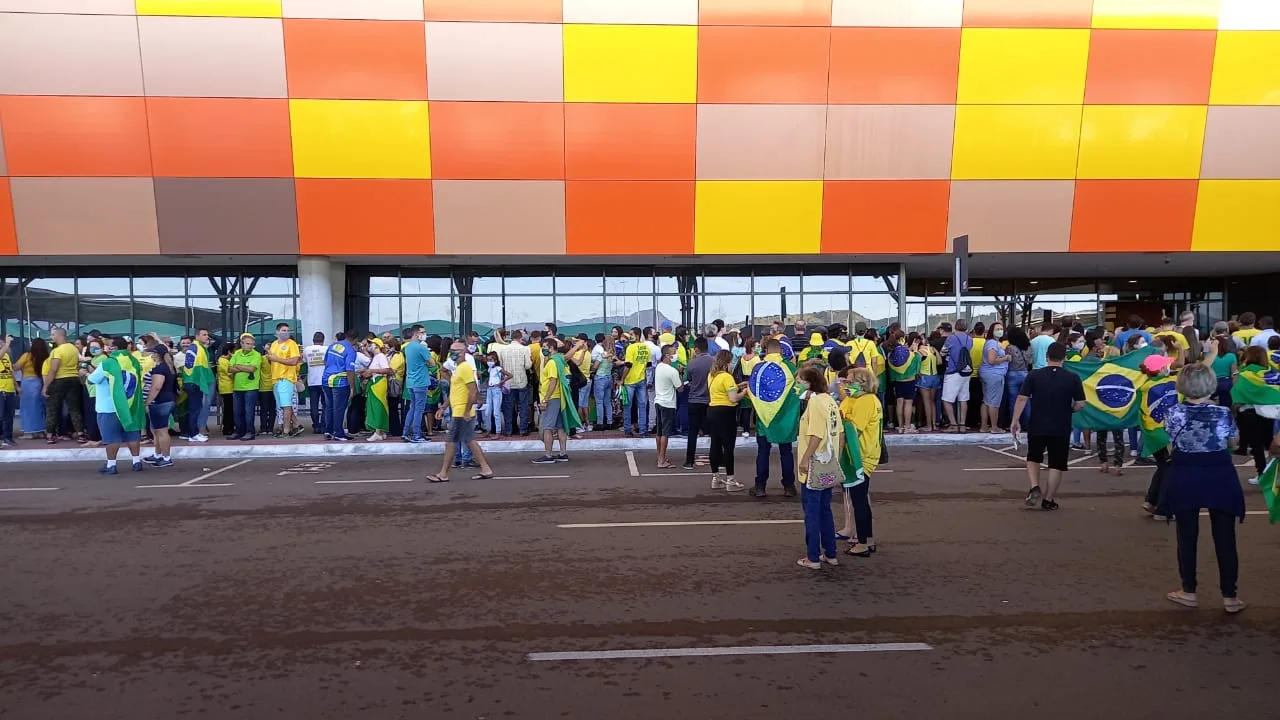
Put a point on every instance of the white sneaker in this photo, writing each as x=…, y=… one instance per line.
x=200, y=438
x=1253, y=481
x=716, y=482
x=731, y=485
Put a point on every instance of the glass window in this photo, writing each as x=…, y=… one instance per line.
x=265, y=312
x=628, y=284
x=734, y=310
x=202, y=285
x=728, y=284
x=668, y=309
x=581, y=284
x=826, y=283
x=530, y=312
x=384, y=286
x=827, y=308
x=175, y=286
x=269, y=285
x=487, y=314
x=631, y=311
x=486, y=285
x=917, y=318
x=669, y=282
x=877, y=310
x=580, y=314
x=519, y=285
x=777, y=283
x=59, y=285
x=113, y=286
x=436, y=314
x=769, y=306
x=384, y=315
x=163, y=316
x=426, y=286
x=874, y=283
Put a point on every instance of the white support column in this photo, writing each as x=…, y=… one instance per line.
x=338, y=295
x=316, y=297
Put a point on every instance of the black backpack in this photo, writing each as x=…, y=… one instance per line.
x=965, y=367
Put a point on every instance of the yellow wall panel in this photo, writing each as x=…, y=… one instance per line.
x=630, y=63
x=1237, y=215
x=360, y=138
x=1246, y=68
x=211, y=8
x=1119, y=142
x=735, y=217
x=1016, y=142
x=1027, y=66
x=1157, y=14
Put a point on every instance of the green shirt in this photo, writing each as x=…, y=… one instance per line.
x=1223, y=365
x=244, y=380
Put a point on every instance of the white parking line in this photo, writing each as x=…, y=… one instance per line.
x=532, y=477
x=186, y=485
x=28, y=489
x=192, y=482
x=716, y=651
x=631, y=464
x=363, y=482
x=672, y=523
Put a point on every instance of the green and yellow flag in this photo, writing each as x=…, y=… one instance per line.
x=376, y=416
x=568, y=408
x=1158, y=396
x=1269, y=482
x=195, y=367
x=1112, y=390
x=851, y=457
x=124, y=373
x=771, y=388
x=904, y=365
x=1256, y=385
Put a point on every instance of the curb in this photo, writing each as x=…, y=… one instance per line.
x=397, y=449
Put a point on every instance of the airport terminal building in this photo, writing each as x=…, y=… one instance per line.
x=229, y=164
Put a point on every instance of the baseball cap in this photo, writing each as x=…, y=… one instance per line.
x=666, y=325
x=160, y=350
x=815, y=340
x=1155, y=363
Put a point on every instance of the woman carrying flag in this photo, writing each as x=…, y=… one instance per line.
x=904, y=369
x=819, y=468
x=1257, y=393
x=119, y=404
x=377, y=416
x=861, y=414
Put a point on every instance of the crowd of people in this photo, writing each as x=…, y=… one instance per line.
x=824, y=397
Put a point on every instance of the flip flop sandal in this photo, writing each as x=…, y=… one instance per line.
x=437, y=479
x=482, y=476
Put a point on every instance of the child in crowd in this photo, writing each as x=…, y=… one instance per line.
x=491, y=420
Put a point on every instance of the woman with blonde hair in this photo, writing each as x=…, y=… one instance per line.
x=722, y=419
x=818, y=468
x=860, y=407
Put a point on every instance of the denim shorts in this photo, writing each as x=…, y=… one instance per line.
x=113, y=433
x=929, y=382
x=285, y=391
x=159, y=415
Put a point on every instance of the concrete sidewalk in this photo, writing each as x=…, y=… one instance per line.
x=38, y=451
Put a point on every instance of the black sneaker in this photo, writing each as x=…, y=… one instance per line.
x=789, y=491
x=1048, y=505
x=757, y=492
x=562, y=458
x=1033, y=496
x=1144, y=461
x=544, y=460
x=687, y=466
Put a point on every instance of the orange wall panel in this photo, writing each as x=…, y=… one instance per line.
x=1133, y=215
x=220, y=137
x=894, y=65
x=816, y=13
x=1161, y=67
x=623, y=217
x=365, y=217
x=545, y=11
x=763, y=64
x=76, y=136
x=8, y=234
x=356, y=59
x=619, y=141
x=885, y=216
x=497, y=141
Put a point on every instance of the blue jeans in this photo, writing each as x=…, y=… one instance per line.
x=516, y=407
x=763, y=448
x=8, y=406
x=682, y=413
x=195, y=406
x=335, y=410
x=819, y=523
x=1134, y=442
x=603, y=391
x=417, y=407
x=245, y=403
x=638, y=395
x=316, y=399
x=492, y=417
x=1012, y=386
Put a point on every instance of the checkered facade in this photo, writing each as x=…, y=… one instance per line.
x=635, y=127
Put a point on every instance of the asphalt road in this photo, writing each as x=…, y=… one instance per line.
x=296, y=589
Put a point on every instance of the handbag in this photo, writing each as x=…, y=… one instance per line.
x=823, y=476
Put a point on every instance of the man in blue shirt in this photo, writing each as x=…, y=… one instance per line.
x=1040, y=344
x=417, y=380
x=1133, y=327
x=339, y=384
x=956, y=350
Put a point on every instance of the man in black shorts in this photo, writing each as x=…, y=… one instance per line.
x=1055, y=393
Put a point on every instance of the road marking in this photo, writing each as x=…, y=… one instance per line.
x=1002, y=452
x=679, y=474
x=673, y=523
x=715, y=651
x=307, y=468
x=363, y=482
x=532, y=477
x=186, y=485
x=28, y=489
x=219, y=471
x=631, y=464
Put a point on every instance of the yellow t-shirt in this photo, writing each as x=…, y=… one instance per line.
x=68, y=361
x=639, y=356
x=865, y=413
x=225, y=385
x=975, y=353
x=6, y=374
x=928, y=360
x=1245, y=335
x=460, y=389
x=817, y=421
x=869, y=352
x=748, y=364
x=266, y=383
x=535, y=351
x=720, y=386
x=146, y=361
x=26, y=365
x=287, y=350
x=550, y=377
x=397, y=366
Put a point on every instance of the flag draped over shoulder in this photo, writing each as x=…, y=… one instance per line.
x=851, y=456
x=1256, y=385
x=125, y=375
x=1269, y=482
x=904, y=365
x=195, y=367
x=376, y=416
x=568, y=408
x=772, y=392
x=1158, y=395
x=1112, y=389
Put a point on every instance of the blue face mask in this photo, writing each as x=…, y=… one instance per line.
x=95, y=350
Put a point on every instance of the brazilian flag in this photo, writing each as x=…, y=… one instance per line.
x=904, y=365
x=771, y=388
x=1256, y=385
x=1274, y=357
x=1112, y=389
x=1158, y=396
x=851, y=457
x=376, y=415
x=1269, y=482
x=124, y=374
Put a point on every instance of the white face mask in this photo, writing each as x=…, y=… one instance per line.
x=1140, y=344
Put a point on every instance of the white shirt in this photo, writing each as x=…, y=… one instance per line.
x=1263, y=337
x=313, y=355
x=362, y=361
x=655, y=353
x=724, y=344
x=379, y=362
x=666, y=382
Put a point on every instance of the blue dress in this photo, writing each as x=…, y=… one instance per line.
x=1201, y=474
